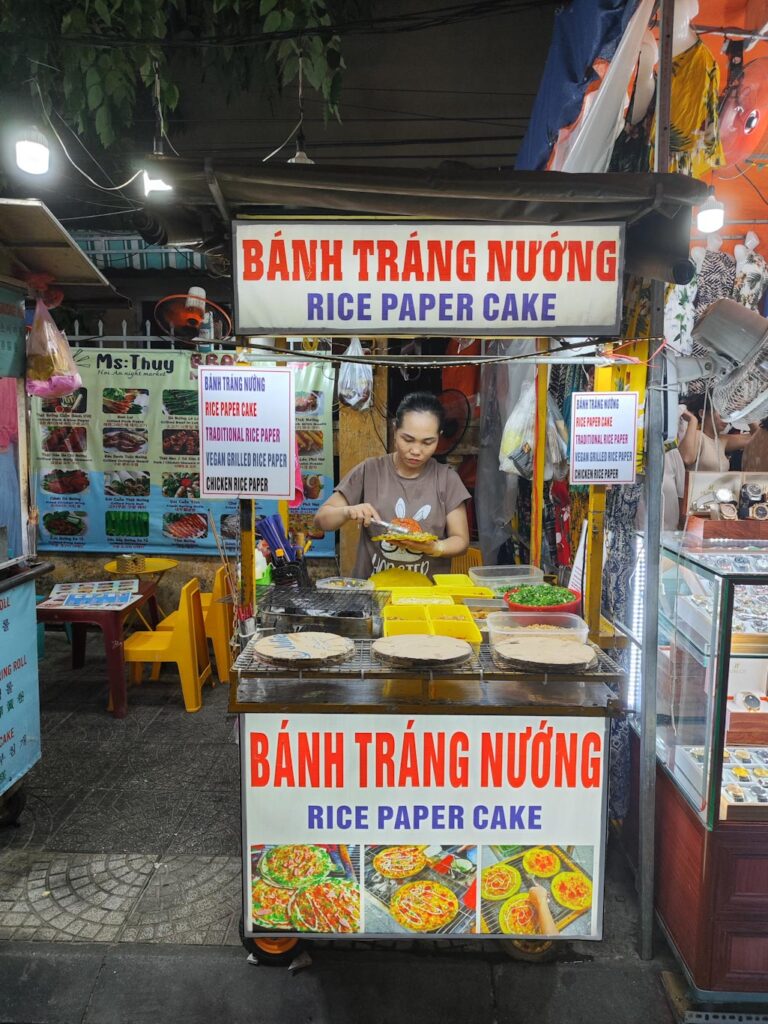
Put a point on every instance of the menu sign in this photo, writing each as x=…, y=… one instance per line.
x=116, y=464
x=603, y=437
x=429, y=277
x=450, y=825
x=19, y=693
x=246, y=433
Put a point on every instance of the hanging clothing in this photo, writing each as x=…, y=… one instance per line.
x=711, y=455
x=695, y=132
x=751, y=281
x=716, y=279
x=9, y=422
x=679, y=315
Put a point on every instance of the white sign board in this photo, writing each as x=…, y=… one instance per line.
x=246, y=432
x=445, y=278
x=357, y=810
x=603, y=437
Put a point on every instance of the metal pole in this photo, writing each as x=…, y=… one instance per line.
x=654, y=472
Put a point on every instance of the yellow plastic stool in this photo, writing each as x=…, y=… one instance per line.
x=184, y=645
x=463, y=563
x=218, y=616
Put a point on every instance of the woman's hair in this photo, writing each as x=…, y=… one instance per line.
x=420, y=401
x=697, y=402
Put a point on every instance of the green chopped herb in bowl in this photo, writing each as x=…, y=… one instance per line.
x=541, y=595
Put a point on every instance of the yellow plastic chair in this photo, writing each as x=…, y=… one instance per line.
x=185, y=645
x=463, y=563
x=218, y=615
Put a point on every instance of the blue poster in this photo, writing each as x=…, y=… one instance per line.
x=19, y=686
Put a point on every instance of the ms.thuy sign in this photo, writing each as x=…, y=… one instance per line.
x=316, y=277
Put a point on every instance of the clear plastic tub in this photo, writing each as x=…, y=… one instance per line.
x=507, y=625
x=349, y=583
x=506, y=576
x=481, y=607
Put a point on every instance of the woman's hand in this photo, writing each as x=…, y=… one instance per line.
x=361, y=513
x=430, y=548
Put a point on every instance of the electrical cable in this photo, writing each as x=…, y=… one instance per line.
x=300, y=122
x=754, y=186
x=93, y=216
x=102, y=188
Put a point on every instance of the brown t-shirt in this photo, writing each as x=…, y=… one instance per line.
x=428, y=498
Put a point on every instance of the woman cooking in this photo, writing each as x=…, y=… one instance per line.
x=407, y=488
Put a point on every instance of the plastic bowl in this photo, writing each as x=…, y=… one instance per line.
x=573, y=607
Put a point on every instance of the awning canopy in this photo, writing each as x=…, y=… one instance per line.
x=32, y=240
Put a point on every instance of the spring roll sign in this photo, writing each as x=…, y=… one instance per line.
x=427, y=779
x=246, y=433
x=321, y=277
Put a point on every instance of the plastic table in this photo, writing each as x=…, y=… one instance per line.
x=111, y=622
x=153, y=566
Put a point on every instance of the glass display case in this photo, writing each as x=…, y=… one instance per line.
x=712, y=682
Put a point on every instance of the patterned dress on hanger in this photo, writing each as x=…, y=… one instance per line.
x=679, y=306
x=751, y=281
x=717, y=276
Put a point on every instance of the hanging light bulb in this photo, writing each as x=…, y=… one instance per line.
x=711, y=215
x=300, y=156
x=155, y=184
x=32, y=153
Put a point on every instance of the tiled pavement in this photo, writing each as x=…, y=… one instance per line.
x=132, y=830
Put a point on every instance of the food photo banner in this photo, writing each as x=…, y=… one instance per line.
x=117, y=464
x=348, y=277
x=431, y=824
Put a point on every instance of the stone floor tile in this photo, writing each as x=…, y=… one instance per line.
x=122, y=821
x=42, y=816
x=170, y=765
x=189, y=900
x=211, y=825
x=54, y=900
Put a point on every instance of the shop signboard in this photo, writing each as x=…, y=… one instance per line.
x=19, y=694
x=246, y=432
x=436, y=277
x=13, y=332
x=116, y=465
x=455, y=825
x=603, y=437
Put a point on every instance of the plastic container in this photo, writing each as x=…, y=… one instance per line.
x=404, y=613
x=390, y=579
x=460, y=592
x=419, y=595
x=455, y=622
x=481, y=607
x=452, y=579
x=347, y=583
x=509, y=625
x=568, y=607
x=497, y=576
x=406, y=627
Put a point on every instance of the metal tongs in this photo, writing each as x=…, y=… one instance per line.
x=392, y=527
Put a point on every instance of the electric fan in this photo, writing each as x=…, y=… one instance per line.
x=456, y=416
x=736, y=359
x=192, y=319
x=743, y=113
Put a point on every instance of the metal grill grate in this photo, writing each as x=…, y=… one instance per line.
x=363, y=664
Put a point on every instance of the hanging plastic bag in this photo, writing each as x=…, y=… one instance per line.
x=356, y=380
x=519, y=439
x=51, y=370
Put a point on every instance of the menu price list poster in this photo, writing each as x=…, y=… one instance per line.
x=603, y=437
x=19, y=693
x=116, y=464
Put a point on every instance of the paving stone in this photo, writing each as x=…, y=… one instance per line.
x=191, y=900
x=68, y=905
x=42, y=816
x=121, y=821
x=211, y=825
x=171, y=765
x=66, y=765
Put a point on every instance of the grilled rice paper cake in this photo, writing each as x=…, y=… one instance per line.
x=558, y=654
x=303, y=650
x=422, y=649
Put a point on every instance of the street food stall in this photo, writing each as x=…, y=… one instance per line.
x=32, y=242
x=430, y=780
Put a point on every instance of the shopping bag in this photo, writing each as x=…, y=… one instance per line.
x=356, y=380
x=51, y=370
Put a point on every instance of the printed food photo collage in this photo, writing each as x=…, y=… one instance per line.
x=516, y=891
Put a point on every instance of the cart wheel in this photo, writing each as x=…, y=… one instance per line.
x=11, y=806
x=530, y=950
x=273, y=952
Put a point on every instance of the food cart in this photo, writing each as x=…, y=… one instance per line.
x=32, y=241
x=405, y=801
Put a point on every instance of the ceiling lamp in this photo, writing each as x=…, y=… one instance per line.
x=155, y=184
x=711, y=215
x=32, y=153
x=300, y=156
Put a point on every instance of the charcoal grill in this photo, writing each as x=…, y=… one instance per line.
x=354, y=614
